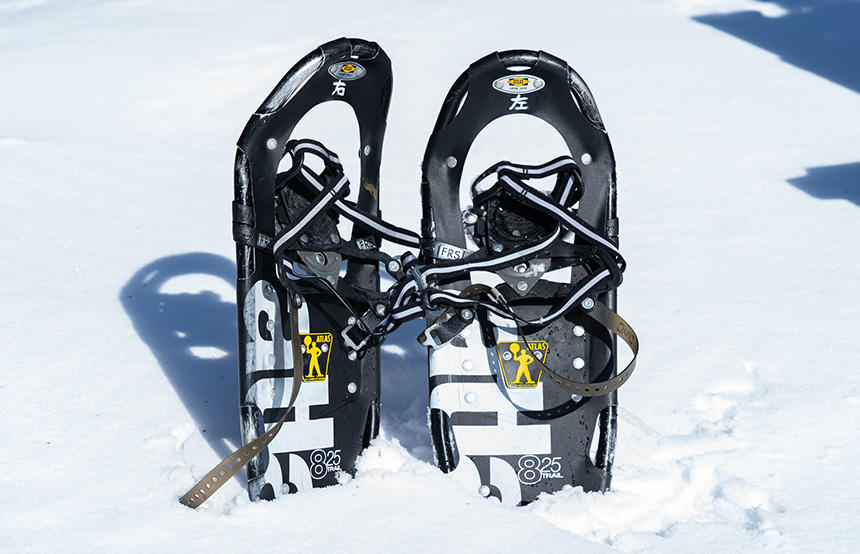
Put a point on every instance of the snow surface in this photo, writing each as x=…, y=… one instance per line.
x=739, y=183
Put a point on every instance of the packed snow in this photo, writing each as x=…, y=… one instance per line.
x=739, y=190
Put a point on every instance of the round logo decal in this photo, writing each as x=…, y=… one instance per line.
x=346, y=71
x=518, y=84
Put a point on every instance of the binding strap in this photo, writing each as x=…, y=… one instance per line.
x=227, y=468
x=326, y=197
x=551, y=207
x=348, y=209
x=615, y=324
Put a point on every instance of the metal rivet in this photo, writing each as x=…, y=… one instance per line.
x=352, y=388
x=507, y=356
x=468, y=365
x=324, y=347
x=270, y=325
x=470, y=397
x=521, y=268
x=575, y=397
x=271, y=144
x=298, y=300
x=579, y=330
x=366, y=150
x=285, y=489
x=304, y=239
x=352, y=356
x=351, y=320
x=451, y=162
x=470, y=218
x=578, y=363
x=484, y=491
x=304, y=350
x=380, y=309
x=271, y=359
x=467, y=314
x=498, y=247
x=586, y=158
x=539, y=355
x=588, y=303
x=269, y=290
x=522, y=286
x=320, y=258
x=335, y=238
x=393, y=266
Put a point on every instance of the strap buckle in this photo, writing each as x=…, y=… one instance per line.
x=446, y=327
x=359, y=332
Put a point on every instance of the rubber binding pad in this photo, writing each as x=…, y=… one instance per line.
x=499, y=437
x=337, y=409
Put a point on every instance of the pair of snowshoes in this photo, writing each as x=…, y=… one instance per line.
x=518, y=290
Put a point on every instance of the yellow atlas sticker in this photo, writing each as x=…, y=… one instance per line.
x=516, y=359
x=316, y=350
x=518, y=81
x=347, y=68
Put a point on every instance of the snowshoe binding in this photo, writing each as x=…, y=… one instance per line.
x=522, y=363
x=308, y=330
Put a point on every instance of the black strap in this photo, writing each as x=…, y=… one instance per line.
x=244, y=231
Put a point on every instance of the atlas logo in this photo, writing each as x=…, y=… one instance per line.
x=349, y=71
x=518, y=84
x=316, y=350
x=516, y=360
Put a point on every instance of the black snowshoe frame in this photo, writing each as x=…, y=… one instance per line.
x=289, y=255
x=290, y=294
x=539, y=311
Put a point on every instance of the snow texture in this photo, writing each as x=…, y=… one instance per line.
x=735, y=129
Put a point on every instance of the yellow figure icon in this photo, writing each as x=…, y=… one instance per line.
x=314, y=352
x=524, y=359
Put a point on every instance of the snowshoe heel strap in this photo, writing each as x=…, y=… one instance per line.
x=615, y=324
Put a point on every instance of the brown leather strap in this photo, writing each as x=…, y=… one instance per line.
x=221, y=473
x=615, y=324
x=602, y=314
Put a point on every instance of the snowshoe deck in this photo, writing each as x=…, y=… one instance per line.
x=299, y=369
x=522, y=369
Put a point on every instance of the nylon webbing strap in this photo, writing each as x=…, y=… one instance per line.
x=615, y=324
x=227, y=468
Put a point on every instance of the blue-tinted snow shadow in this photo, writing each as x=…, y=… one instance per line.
x=405, y=391
x=821, y=37
x=171, y=324
x=831, y=181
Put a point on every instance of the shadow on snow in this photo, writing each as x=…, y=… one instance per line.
x=822, y=37
x=172, y=324
x=831, y=181
x=405, y=390
x=175, y=324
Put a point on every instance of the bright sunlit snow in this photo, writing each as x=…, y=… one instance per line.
x=736, y=127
